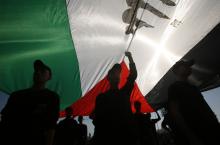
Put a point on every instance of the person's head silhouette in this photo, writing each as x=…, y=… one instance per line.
x=80, y=119
x=148, y=115
x=183, y=69
x=137, y=106
x=69, y=112
x=114, y=76
x=42, y=73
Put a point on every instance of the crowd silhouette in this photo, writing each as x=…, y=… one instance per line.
x=30, y=116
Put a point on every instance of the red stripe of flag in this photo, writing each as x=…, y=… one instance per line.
x=85, y=105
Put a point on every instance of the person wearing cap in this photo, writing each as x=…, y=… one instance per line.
x=113, y=115
x=191, y=118
x=30, y=115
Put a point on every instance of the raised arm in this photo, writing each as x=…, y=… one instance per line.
x=156, y=119
x=132, y=75
x=133, y=70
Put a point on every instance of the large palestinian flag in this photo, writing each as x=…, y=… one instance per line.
x=81, y=40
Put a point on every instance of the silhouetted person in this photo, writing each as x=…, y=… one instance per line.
x=142, y=127
x=30, y=115
x=113, y=115
x=151, y=123
x=167, y=135
x=146, y=126
x=165, y=123
x=193, y=121
x=82, y=130
x=67, y=131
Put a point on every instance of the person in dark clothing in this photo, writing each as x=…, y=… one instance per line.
x=67, y=131
x=152, y=133
x=30, y=115
x=146, y=126
x=192, y=120
x=165, y=123
x=113, y=116
x=167, y=135
x=82, y=130
x=142, y=128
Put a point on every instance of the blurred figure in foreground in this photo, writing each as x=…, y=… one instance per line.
x=192, y=120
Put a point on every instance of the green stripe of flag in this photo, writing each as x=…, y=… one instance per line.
x=38, y=29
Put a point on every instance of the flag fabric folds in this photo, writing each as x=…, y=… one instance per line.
x=82, y=39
